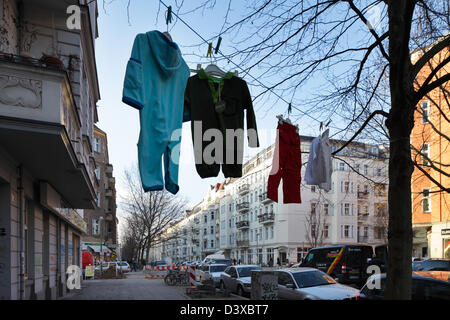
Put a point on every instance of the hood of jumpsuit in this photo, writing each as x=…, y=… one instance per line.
x=166, y=53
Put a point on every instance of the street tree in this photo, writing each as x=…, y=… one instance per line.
x=363, y=51
x=149, y=214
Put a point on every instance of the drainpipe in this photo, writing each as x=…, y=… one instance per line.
x=21, y=226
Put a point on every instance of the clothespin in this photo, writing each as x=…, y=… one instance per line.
x=321, y=126
x=209, y=53
x=169, y=16
x=218, y=45
x=289, y=109
x=328, y=123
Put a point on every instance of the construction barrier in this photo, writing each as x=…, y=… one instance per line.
x=159, y=272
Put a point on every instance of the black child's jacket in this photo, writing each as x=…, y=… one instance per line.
x=199, y=107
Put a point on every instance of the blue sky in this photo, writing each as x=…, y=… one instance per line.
x=121, y=122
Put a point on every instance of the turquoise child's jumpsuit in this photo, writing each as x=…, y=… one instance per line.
x=155, y=81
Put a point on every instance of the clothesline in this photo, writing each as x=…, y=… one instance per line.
x=246, y=72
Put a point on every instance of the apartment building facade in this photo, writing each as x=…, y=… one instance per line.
x=101, y=234
x=48, y=94
x=431, y=151
x=237, y=218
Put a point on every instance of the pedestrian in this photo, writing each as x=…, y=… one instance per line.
x=278, y=262
x=239, y=261
x=271, y=262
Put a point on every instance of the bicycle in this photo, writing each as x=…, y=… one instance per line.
x=176, y=278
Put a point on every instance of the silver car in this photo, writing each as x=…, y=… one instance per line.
x=210, y=272
x=311, y=284
x=238, y=278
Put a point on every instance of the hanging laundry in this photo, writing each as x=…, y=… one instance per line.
x=318, y=170
x=155, y=81
x=286, y=165
x=218, y=103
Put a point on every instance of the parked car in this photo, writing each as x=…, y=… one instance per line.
x=345, y=263
x=426, y=285
x=106, y=265
x=124, y=266
x=238, y=278
x=227, y=262
x=210, y=271
x=433, y=265
x=160, y=263
x=311, y=284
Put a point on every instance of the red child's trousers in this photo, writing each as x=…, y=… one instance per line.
x=286, y=165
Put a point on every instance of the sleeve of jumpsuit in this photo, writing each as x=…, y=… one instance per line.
x=252, y=131
x=133, y=88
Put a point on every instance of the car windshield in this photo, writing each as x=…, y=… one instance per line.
x=217, y=268
x=123, y=263
x=314, y=278
x=246, y=271
x=221, y=261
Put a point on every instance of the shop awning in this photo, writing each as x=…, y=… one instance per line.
x=104, y=249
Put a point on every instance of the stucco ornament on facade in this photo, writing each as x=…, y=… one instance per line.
x=20, y=92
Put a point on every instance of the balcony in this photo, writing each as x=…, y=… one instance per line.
x=242, y=207
x=242, y=243
x=40, y=127
x=363, y=217
x=196, y=220
x=266, y=218
x=363, y=195
x=244, y=189
x=264, y=199
x=242, y=224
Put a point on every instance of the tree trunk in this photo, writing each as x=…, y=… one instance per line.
x=400, y=124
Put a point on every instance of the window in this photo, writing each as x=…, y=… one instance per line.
x=341, y=166
x=425, y=111
x=325, y=231
x=366, y=232
x=212, y=243
x=271, y=232
x=346, y=187
x=366, y=169
x=426, y=154
x=204, y=231
x=313, y=208
x=284, y=279
x=313, y=188
x=206, y=218
x=325, y=209
x=97, y=173
x=379, y=172
x=212, y=229
x=426, y=203
x=346, y=209
x=212, y=216
x=346, y=231
x=357, y=168
x=95, y=227
x=96, y=145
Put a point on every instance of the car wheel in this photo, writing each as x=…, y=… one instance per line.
x=240, y=291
